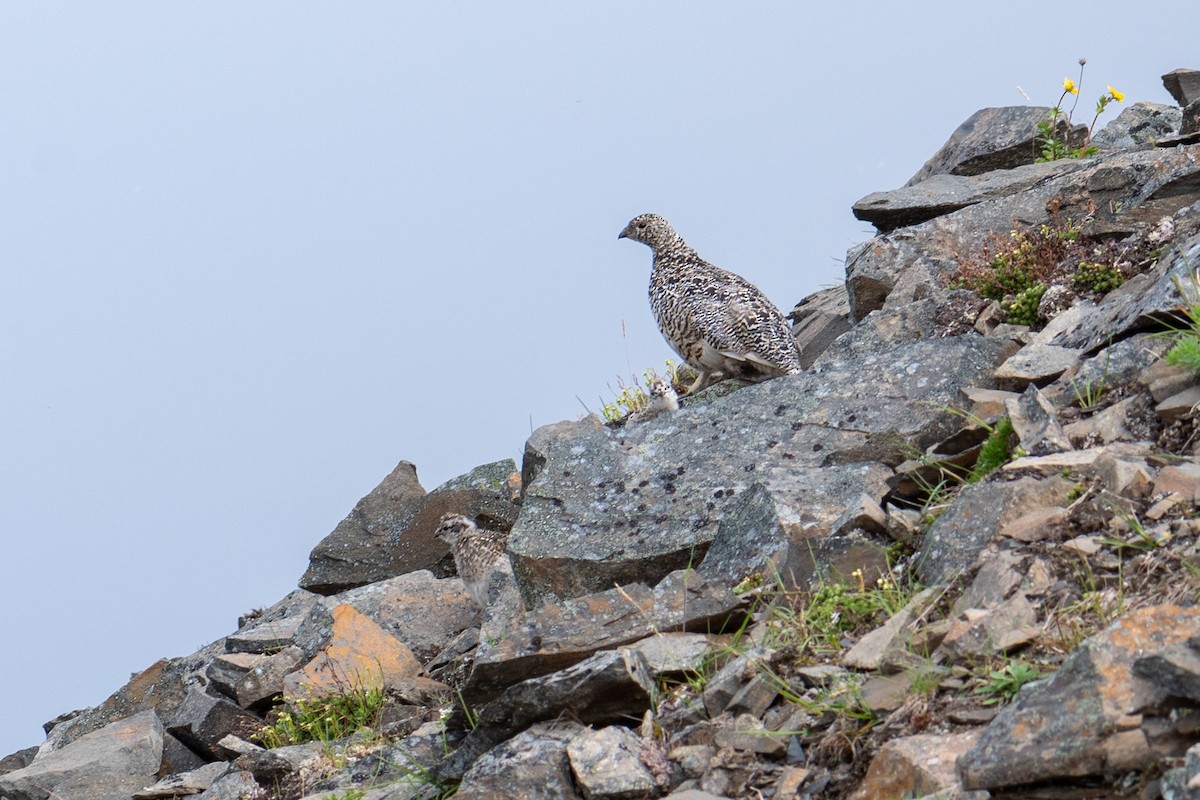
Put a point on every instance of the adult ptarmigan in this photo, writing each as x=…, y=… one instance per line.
x=718, y=322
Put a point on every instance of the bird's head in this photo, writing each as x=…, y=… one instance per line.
x=651, y=230
x=452, y=527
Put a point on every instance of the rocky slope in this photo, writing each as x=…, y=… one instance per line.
x=955, y=558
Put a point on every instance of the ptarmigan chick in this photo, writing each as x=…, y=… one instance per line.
x=477, y=551
x=662, y=399
x=718, y=322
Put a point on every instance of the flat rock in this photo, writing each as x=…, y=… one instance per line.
x=607, y=764
x=185, y=783
x=605, y=505
x=1183, y=84
x=889, y=642
x=818, y=320
x=533, y=765
x=1065, y=726
x=916, y=766
x=1181, y=479
x=110, y=763
x=1037, y=364
x=942, y=194
x=557, y=635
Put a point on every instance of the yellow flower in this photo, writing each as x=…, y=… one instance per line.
x=1069, y=85
x=1118, y=96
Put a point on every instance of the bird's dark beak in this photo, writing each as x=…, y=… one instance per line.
x=623, y=234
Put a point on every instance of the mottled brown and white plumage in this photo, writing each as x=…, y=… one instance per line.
x=478, y=553
x=717, y=321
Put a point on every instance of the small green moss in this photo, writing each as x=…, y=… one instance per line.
x=995, y=452
x=1023, y=308
x=1096, y=277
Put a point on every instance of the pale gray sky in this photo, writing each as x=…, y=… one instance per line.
x=254, y=254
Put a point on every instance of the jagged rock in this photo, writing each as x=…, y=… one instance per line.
x=916, y=766
x=185, y=783
x=559, y=634
x=612, y=506
x=1036, y=364
x=1137, y=304
x=17, y=760
x=1183, y=783
x=160, y=688
x=360, y=654
x=1080, y=721
x=265, y=636
x=818, y=320
x=672, y=653
x=1182, y=479
x=1183, y=84
x=1126, y=477
x=264, y=682
x=998, y=630
x=1178, y=405
x=205, y=718
x=1034, y=420
x=227, y=669
x=994, y=139
x=729, y=680
x=1037, y=525
x=532, y=765
x=1140, y=125
x=607, y=687
x=1164, y=380
x=110, y=763
x=886, y=647
x=746, y=733
x=1126, y=190
x=1105, y=427
x=885, y=693
x=234, y=786
x=943, y=194
x=607, y=764
x=390, y=531
x=960, y=534
x=421, y=611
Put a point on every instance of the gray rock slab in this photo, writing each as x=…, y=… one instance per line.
x=1141, y=302
x=559, y=634
x=264, y=681
x=205, y=718
x=818, y=320
x=533, y=765
x=993, y=139
x=608, y=506
x=605, y=688
x=943, y=194
x=960, y=534
x=1183, y=84
x=1076, y=722
x=607, y=764
x=1034, y=420
x=390, y=531
x=420, y=610
x=1121, y=192
x=107, y=764
x=1140, y=125
x=185, y=783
